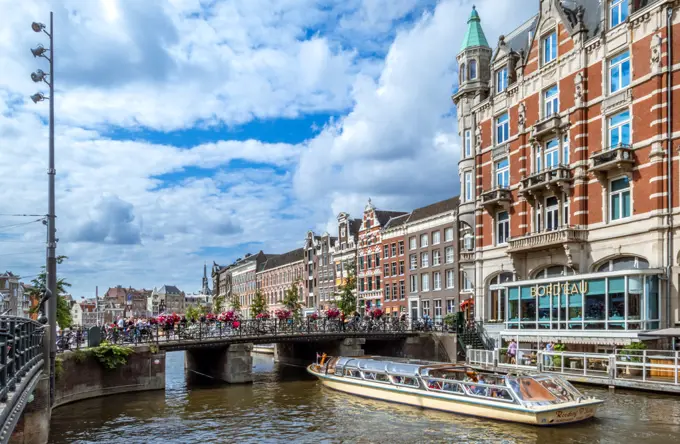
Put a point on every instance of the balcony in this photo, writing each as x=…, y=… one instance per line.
x=553, y=180
x=618, y=159
x=467, y=256
x=548, y=127
x=546, y=239
x=496, y=198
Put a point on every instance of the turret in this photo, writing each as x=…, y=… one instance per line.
x=474, y=60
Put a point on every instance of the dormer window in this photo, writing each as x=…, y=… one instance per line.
x=502, y=79
x=472, y=70
x=618, y=12
x=549, y=46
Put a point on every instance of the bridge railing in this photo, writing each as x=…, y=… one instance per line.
x=21, y=360
x=192, y=331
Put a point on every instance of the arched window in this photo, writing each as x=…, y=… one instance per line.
x=624, y=263
x=461, y=73
x=472, y=67
x=554, y=271
x=497, y=303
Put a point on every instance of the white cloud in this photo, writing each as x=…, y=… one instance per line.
x=155, y=65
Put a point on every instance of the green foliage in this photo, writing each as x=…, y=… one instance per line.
x=291, y=299
x=39, y=283
x=450, y=320
x=112, y=356
x=153, y=348
x=557, y=360
x=192, y=313
x=235, y=303
x=259, y=304
x=218, y=304
x=347, y=302
x=634, y=351
x=58, y=368
x=79, y=356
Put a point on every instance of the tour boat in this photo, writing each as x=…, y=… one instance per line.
x=537, y=399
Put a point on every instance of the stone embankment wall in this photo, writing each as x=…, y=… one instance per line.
x=86, y=378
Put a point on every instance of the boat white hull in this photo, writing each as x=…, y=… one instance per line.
x=542, y=416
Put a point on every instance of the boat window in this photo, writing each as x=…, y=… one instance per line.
x=406, y=380
x=448, y=386
x=529, y=391
x=369, y=375
x=484, y=390
x=557, y=390
x=382, y=377
x=352, y=373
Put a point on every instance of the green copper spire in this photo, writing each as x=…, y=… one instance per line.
x=474, y=35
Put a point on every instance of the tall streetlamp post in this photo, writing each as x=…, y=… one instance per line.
x=51, y=266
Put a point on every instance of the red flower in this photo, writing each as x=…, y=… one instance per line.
x=236, y=324
x=332, y=313
x=262, y=316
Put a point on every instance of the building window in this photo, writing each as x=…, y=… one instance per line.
x=551, y=213
x=423, y=240
x=448, y=235
x=502, y=79
x=449, y=255
x=437, y=280
x=502, y=128
x=394, y=269
x=549, y=44
x=450, y=306
x=624, y=263
x=370, y=283
x=503, y=173
x=402, y=288
x=425, y=282
x=387, y=292
x=619, y=198
x=394, y=291
x=449, y=278
x=402, y=268
x=377, y=282
x=361, y=285
x=468, y=143
x=424, y=260
x=386, y=269
x=426, y=308
x=469, y=242
x=462, y=73
x=467, y=283
x=436, y=237
x=619, y=72
x=502, y=228
x=413, y=280
x=412, y=243
x=370, y=261
x=551, y=101
x=377, y=259
x=394, y=250
x=386, y=251
x=401, y=248
x=435, y=258
x=413, y=262
x=468, y=186
x=619, y=130
x=565, y=149
x=618, y=12
x=361, y=263
x=472, y=70
x=552, y=154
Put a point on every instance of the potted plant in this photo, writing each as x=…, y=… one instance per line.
x=557, y=360
x=633, y=353
x=450, y=321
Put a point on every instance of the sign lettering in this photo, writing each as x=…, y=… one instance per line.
x=559, y=289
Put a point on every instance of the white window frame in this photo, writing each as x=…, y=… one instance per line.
x=502, y=79
x=468, y=143
x=471, y=238
x=618, y=128
x=618, y=67
x=503, y=173
x=618, y=12
x=436, y=258
x=502, y=224
x=413, y=283
x=412, y=243
x=467, y=177
x=549, y=40
x=502, y=128
x=611, y=193
x=549, y=152
x=436, y=237
x=424, y=240
x=436, y=281
x=424, y=259
x=413, y=261
x=448, y=235
x=425, y=282
x=450, y=278
x=448, y=255
x=551, y=103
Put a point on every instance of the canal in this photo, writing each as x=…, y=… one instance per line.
x=284, y=404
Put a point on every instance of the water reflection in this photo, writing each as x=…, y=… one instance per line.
x=286, y=404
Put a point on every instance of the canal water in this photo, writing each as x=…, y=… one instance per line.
x=284, y=404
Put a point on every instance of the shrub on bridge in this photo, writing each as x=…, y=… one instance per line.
x=112, y=356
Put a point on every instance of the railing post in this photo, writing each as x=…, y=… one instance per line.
x=612, y=367
x=676, y=370
x=539, y=361
x=644, y=365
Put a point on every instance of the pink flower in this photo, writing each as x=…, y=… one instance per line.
x=236, y=324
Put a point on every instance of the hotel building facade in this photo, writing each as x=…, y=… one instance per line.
x=569, y=173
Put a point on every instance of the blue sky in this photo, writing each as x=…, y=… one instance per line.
x=192, y=131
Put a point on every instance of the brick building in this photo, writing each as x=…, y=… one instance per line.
x=565, y=173
x=431, y=250
x=244, y=279
x=345, y=248
x=369, y=252
x=394, y=266
x=278, y=274
x=319, y=271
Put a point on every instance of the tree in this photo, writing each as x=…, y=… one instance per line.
x=235, y=303
x=347, y=302
x=39, y=283
x=291, y=299
x=259, y=304
x=218, y=304
x=192, y=313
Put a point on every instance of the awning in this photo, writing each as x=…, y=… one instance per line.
x=568, y=339
x=664, y=333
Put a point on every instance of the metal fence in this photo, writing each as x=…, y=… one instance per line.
x=198, y=331
x=630, y=366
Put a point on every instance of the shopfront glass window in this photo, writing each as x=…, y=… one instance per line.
x=595, y=308
x=635, y=298
x=544, y=311
x=617, y=304
x=652, y=293
x=575, y=311
x=513, y=307
x=527, y=308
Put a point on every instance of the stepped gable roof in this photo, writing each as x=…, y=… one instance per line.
x=274, y=261
x=385, y=216
x=397, y=221
x=474, y=36
x=443, y=206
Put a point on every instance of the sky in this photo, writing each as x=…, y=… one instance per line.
x=193, y=131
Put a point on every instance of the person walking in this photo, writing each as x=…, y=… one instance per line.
x=512, y=352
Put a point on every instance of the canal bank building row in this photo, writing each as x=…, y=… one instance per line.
x=565, y=185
